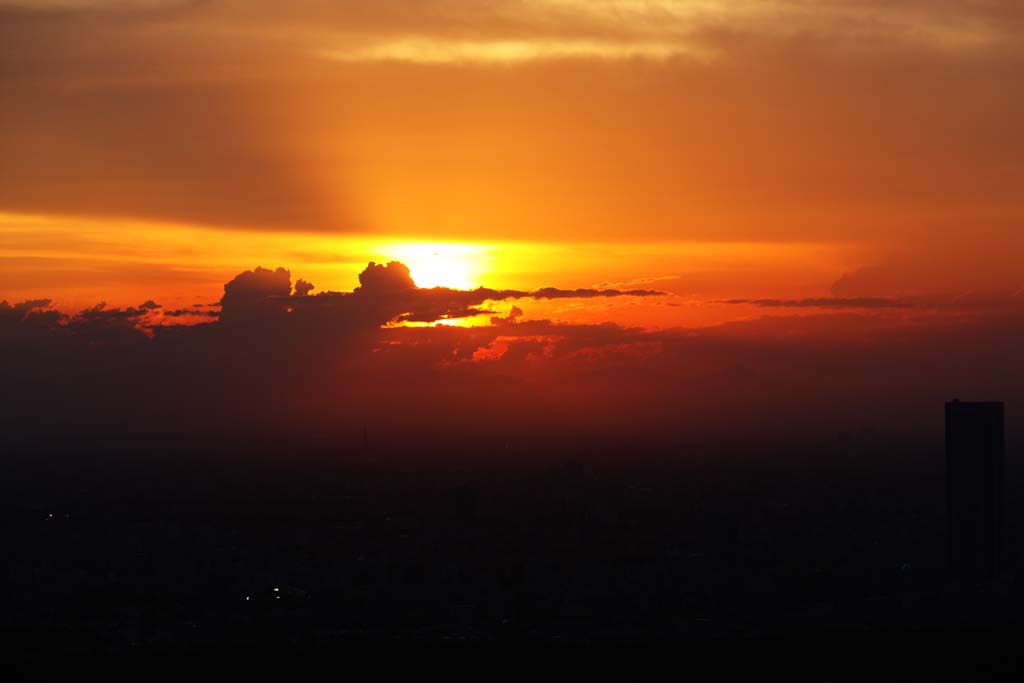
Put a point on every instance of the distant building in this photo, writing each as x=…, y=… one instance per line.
x=974, y=488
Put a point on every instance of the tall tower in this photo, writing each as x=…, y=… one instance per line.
x=974, y=488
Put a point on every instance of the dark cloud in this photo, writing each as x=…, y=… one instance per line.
x=513, y=315
x=20, y=310
x=194, y=311
x=811, y=375
x=441, y=302
x=826, y=302
x=976, y=301
x=96, y=317
x=249, y=295
x=385, y=279
x=27, y=318
x=276, y=359
x=328, y=367
x=553, y=293
x=386, y=293
x=101, y=312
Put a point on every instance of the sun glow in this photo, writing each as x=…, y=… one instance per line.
x=78, y=262
x=442, y=264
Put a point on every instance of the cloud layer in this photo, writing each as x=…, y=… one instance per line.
x=283, y=363
x=386, y=294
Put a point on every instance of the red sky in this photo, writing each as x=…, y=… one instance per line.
x=154, y=149
x=826, y=196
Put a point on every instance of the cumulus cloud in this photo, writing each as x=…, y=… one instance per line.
x=386, y=293
x=263, y=304
x=388, y=278
x=249, y=295
x=27, y=318
x=99, y=312
x=20, y=310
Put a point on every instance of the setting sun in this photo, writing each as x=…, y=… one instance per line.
x=442, y=264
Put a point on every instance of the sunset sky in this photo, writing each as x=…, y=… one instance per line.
x=334, y=323
x=692, y=207
x=773, y=149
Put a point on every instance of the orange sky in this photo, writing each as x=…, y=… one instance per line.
x=154, y=149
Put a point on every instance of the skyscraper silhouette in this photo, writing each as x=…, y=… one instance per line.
x=974, y=488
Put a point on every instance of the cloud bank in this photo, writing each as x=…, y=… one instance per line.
x=283, y=363
x=386, y=294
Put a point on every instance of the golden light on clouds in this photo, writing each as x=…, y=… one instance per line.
x=78, y=262
x=653, y=30
x=433, y=51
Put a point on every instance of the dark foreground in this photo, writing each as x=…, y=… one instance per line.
x=802, y=562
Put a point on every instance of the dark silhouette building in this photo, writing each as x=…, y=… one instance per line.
x=974, y=488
